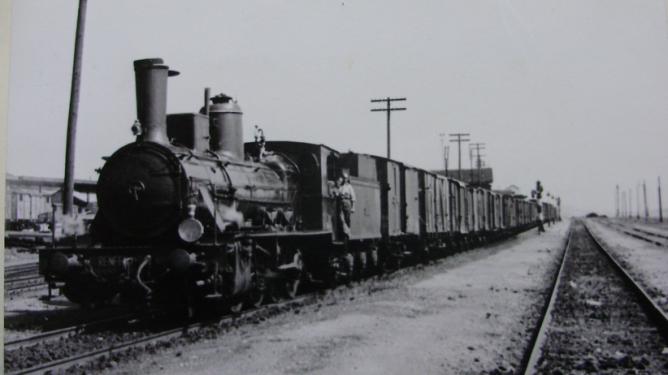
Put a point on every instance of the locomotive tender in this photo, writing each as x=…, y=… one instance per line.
x=189, y=212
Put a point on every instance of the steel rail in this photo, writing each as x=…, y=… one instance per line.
x=622, y=229
x=16, y=274
x=21, y=266
x=22, y=278
x=534, y=352
x=63, y=332
x=176, y=332
x=652, y=309
x=20, y=271
x=16, y=288
x=650, y=233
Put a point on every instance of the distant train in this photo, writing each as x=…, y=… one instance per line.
x=188, y=212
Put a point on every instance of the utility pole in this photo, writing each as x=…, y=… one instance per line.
x=644, y=193
x=477, y=147
x=447, y=158
x=471, y=163
x=388, y=110
x=68, y=186
x=630, y=204
x=617, y=201
x=638, y=201
x=446, y=151
x=623, y=204
x=660, y=206
x=459, y=141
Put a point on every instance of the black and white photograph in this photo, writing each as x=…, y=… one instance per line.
x=335, y=187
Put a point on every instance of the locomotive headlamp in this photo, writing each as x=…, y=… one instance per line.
x=190, y=230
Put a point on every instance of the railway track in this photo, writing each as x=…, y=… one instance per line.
x=142, y=340
x=21, y=270
x=598, y=318
x=67, y=331
x=655, y=238
x=22, y=278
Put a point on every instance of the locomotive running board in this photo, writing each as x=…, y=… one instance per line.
x=284, y=234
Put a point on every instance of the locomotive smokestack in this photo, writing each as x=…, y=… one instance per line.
x=207, y=97
x=151, y=81
x=225, y=127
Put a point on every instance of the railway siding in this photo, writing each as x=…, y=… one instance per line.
x=645, y=262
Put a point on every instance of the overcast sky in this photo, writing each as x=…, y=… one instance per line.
x=571, y=92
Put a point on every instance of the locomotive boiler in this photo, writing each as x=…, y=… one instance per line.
x=179, y=208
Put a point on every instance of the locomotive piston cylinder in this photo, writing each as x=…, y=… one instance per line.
x=151, y=85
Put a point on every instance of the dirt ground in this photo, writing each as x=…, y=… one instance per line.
x=468, y=314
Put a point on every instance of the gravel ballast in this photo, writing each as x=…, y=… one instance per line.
x=471, y=313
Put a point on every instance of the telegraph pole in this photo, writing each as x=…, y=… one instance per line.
x=630, y=204
x=471, y=163
x=447, y=158
x=617, y=201
x=459, y=141
x=638, y=201
x=68, y=186
x=660, y=206
x=623, y=204
x=644, y=193
x=445, y=154
x=477, y=147
x=388, y=110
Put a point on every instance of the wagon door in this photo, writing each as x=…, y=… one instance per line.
x=412, y=201
x=394, y=195
x=445, y=204
x=430, y=191
x=455, y=206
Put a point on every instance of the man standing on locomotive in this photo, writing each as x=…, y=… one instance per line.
x=347, y=207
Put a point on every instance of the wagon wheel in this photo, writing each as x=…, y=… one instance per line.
x=363, y=265
x=426, y=257
x=236, y=305
x=274, y=292
x=292, y=287
x=397, y=263
x=382, y=265
x=292, y=283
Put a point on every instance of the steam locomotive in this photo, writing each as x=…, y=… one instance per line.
x=188, y=212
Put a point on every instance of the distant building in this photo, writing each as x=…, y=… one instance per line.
x=511, y=190
x=482, y=177
x=33, y=198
